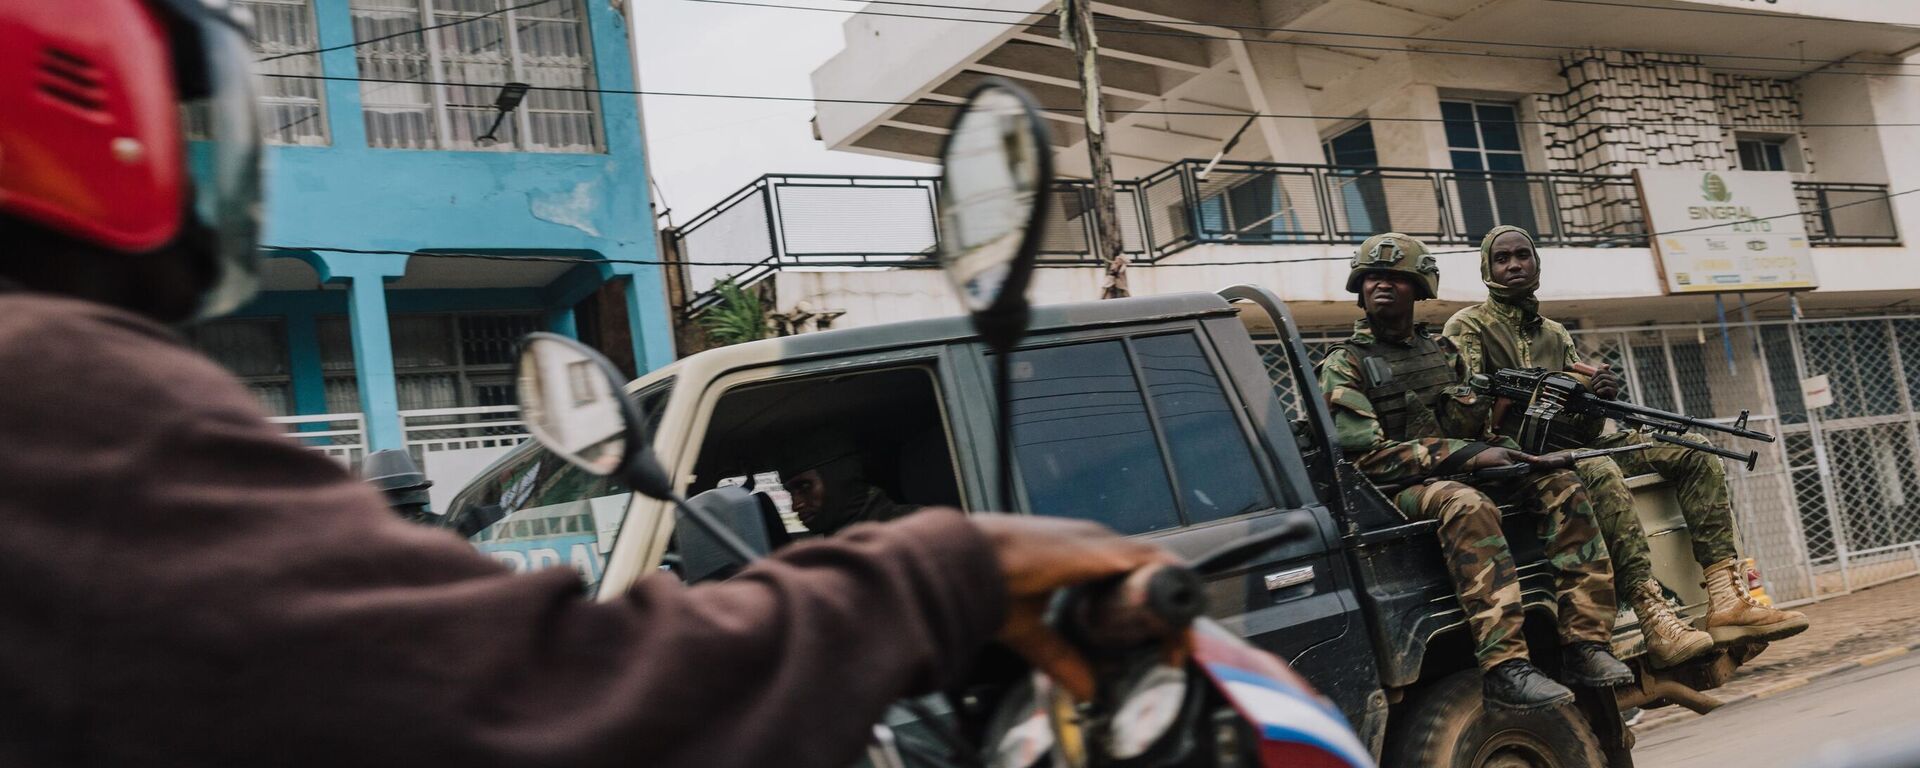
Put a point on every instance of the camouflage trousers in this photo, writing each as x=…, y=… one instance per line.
x=1482, y=568
x=1701, y=486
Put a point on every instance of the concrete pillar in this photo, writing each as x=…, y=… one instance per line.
x=373, y=361
x=345, y=125
x=561, y=321
x=646, y=295
x=366, y=276
x=1271, y=75
x=303, y=353
x=1420, y=143
x=1896, y=104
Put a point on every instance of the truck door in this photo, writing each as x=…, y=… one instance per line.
x=1149, y=431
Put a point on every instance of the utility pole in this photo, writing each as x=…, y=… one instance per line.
x=1076, y=28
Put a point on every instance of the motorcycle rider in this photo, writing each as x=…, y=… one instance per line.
x=1508, y=331
x=1401, y=413
x=180, y=584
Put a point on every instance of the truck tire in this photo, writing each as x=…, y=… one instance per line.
x=1446, y=724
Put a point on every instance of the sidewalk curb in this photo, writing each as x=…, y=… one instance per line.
x=1788, y=684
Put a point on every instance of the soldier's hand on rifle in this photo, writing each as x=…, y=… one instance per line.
x=1555, y=460
x=1605, y=384
x=1496, y=457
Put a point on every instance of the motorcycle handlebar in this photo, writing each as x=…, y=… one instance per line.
x=1147, y=605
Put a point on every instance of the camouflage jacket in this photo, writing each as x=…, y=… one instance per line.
x=1460, y=418
x=1493, y=335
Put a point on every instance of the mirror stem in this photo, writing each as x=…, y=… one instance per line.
x=1003, y=435
x=721, y=533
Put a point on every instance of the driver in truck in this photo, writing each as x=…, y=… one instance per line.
x=828, y=485
x=1508, y=331
x=181, y=584
x=1403, y=414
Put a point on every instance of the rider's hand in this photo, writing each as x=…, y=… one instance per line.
x=1039, y=555
x=1605, y=384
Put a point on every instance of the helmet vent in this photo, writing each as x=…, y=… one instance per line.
x=72, y=80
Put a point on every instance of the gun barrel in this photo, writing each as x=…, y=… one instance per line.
x=1667, y=420
x=1750, y=458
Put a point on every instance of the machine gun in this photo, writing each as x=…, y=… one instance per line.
x=1547, y=395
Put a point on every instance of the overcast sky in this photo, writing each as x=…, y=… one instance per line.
x=700, y=149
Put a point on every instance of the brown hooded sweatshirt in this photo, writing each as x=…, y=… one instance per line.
x=180, y=584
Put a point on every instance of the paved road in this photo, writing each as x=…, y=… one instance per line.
x=1828, y=722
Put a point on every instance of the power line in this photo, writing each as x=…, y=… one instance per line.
x=404, y=33
x=1267, y=41
x=1385, y=36
x=1141, y=111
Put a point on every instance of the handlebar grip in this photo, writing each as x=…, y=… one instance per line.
x=1150, y=604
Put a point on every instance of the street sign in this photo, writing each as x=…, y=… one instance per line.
x=1726, y=231
x=1816, y=391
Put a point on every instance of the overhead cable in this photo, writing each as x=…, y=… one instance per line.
x=1778, y=125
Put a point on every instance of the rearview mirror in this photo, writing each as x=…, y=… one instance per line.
x=572, y=401
x=992, y=202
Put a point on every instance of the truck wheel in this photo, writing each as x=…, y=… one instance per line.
x=1446, y=724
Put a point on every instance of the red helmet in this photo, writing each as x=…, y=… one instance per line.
x=92, y=142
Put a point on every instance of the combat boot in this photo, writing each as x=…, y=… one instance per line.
x=1516, y=685
x=1735, y=617
x=1669, y=639
x=1591, y=664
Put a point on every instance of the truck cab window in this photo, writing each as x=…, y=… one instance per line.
x=1108, y=430
x=833, y=450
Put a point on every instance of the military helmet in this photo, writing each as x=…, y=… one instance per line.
x=1400, y=254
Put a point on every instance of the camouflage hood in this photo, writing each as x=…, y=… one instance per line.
x=1519, y=297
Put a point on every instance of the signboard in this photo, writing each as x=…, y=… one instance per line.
x=1816, y=391
x=1726, y=231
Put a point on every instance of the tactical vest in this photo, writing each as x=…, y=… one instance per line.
x=1421, y=374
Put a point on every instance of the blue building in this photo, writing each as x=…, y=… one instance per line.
x=373, y=148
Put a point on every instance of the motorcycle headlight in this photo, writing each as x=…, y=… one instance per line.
x=1150, y=709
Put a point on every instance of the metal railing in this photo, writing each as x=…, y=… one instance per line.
x=430, y=430
x=800, y=221
x=342, y=436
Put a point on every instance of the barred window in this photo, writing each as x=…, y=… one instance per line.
x=293, y=110
x=545, y=45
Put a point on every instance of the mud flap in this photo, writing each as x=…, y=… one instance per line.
x=1602, y=710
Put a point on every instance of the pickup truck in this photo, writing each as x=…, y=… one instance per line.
x=1159, y=417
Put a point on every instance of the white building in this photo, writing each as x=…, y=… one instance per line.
x=1438, y=118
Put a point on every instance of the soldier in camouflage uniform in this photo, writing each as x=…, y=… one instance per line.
x=1507, y=331
x=1403, y=413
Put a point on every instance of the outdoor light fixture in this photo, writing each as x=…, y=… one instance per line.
x=510, y=97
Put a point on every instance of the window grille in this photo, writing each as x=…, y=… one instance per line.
x=293, y=110
x=439, y=360
x=256, y=351
x=545, y=46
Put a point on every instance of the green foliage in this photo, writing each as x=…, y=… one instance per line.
x=737, y=317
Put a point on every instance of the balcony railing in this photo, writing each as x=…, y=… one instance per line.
x=790, y=221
